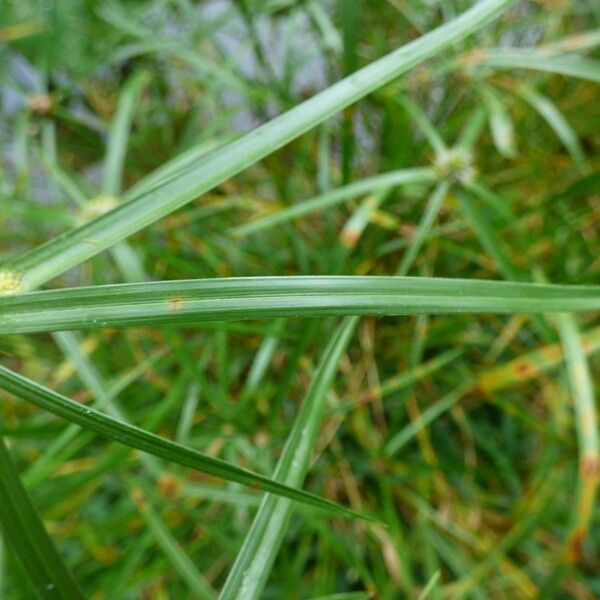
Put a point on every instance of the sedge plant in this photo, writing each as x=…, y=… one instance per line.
x=300, y=344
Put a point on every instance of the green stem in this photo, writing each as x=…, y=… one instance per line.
x=25, y=532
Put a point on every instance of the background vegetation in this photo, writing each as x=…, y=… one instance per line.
x=467, y=440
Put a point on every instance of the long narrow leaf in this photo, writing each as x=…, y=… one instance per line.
x=425, y=418
x=197, y=583
x=552, y=115
x=255, y=559
x=532, y=58
x=119, y=134
x=193, y=301
x=429, y=215
x=24, y=530
x=586, y=419
x=135, y=437
x=329, y=199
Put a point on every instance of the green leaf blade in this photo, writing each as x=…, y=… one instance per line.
x=23, y=528
x=255, y=559
x=186, y=302
x=141, y=439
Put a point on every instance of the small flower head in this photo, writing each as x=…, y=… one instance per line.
x=456, y=164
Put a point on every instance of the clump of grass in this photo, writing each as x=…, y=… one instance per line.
x=220, y=433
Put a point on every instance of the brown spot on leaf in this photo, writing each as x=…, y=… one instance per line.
x=524, y=368
x=175, y=303
x=168, y=485
x=575, y=546
x=590, y=466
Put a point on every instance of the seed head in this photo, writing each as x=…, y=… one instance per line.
x=456, y=164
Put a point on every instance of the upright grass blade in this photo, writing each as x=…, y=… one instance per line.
x=582, y=390
x=192, y=301
x=259, y=366
x=485, y=233
x=198, y=585
x=555, y=119
x=430, y=585
x=114, y=161
x=32, y=269
x=24, y=530
x=253, y=564
x=496, y=202
x=350, y=15
x=422, y=121
x=501, y=125
x=135, y=437
x=119, y=134
x=430, y=213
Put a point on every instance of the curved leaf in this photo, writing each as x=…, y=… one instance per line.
x=134, y=437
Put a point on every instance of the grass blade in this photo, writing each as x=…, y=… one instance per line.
x=337, y=196
x=586, y=418
x=555, y=119
x=501, y=125
x=128, y=261
x=196, y=300
x=119, y=134
x=533, y=364
x=430, y=213
x=24, y=530
x=532, y=58
x=255, y=559
x=430, y=585
x=32, y=269
x=135, y=437
x=197, y=584
x=425, y=418
x=422, y=121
